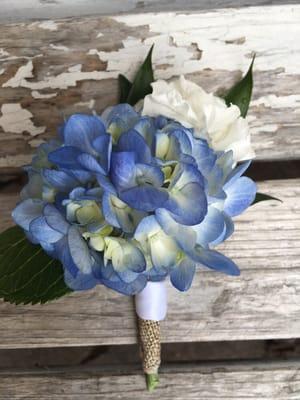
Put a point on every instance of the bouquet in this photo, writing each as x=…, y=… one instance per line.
x=132, y=197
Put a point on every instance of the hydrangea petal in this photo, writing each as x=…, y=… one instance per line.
x=44, y=232
x=147, y=227
x=161, y=145
x=124, y=255
x=149, y=174
x=119, y=214
x=204, y=156
x=214, y=260
x=239, y=196
x=184, y=174
x=34, y=188
x=79, y=251
x=183, y=138
x=132, y=141
x=185, y=236
x=74, y=278
x=236, y=173
x=189, y=205
x=145, y=197
x=211, y=228
x=81, y=281
x=83, y=177
x=156, y=275
x=163, y=251
x=27, y=211
x=145, y=127
x=109, y=211
x=103, y=146
x=60, y=180
x=123, y=170
x=128, y=289
x=81, y=130
x=182, y=275
x=90, y=163
x=106, y=184
x=65, y=157
x=55, y=219
x=121, y=112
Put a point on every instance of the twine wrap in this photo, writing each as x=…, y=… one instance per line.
x=149, y=332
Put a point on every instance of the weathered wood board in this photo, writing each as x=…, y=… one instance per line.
x=238, y=381
x=50, y=69
x=24, y=10
x=263, y=303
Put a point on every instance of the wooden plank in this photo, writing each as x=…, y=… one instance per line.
x=194, y=352
x=50, y=69
x=237, y=381
x=263, y=303
x=18, y=10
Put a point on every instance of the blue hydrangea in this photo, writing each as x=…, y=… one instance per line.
x=123, y=198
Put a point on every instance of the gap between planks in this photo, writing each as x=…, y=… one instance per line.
x=206, y=381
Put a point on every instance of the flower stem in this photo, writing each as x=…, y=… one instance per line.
x=152, y=381
x=149, y=333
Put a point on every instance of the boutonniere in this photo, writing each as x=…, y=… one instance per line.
x=131, y=197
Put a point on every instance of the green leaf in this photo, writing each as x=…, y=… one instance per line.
x=27, y=274
x=124, y=88
x=240, y=94
x=263, y=197
x=141, y=85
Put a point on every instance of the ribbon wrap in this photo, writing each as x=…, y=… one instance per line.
x=151, y=307
x=151, y=302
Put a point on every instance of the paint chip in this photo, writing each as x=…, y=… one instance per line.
x=49, y=25
x=25, y=71
x=37, y=95
x=16, y=119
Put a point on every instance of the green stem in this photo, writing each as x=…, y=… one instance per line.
x=152, y=381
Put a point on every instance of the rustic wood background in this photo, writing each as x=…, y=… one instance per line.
x=24, y=10
x=52, y=66
x=263, y=303
x=50, y=69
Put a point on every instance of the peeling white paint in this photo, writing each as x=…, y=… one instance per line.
x=75, y=68
x=89, y=104
x=3, y=53
x=59, y=48
x=273, y=101
x=263, y=128
x=36, y=142
x=15, y=161
x=37, y=95
x=49, y=25
x=25, y=71
x=127, y=59
x=2, y=70
x=61, y=81
x=188, y=43
x=100, y=34
x=214, y=33
x=257, y=127
x=16, y=119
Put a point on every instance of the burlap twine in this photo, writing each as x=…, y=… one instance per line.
x=149, y=332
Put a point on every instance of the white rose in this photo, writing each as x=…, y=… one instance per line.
x=184, y=101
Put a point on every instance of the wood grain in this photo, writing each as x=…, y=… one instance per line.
x=18, y=10
x=236, y=381
x=51, y=69
x=263, y=303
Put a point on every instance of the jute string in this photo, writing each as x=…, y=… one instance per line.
x=149, y=332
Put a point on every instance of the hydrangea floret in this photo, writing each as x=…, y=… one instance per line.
x=130, y=197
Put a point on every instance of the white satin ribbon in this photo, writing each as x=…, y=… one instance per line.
x=151, y=302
